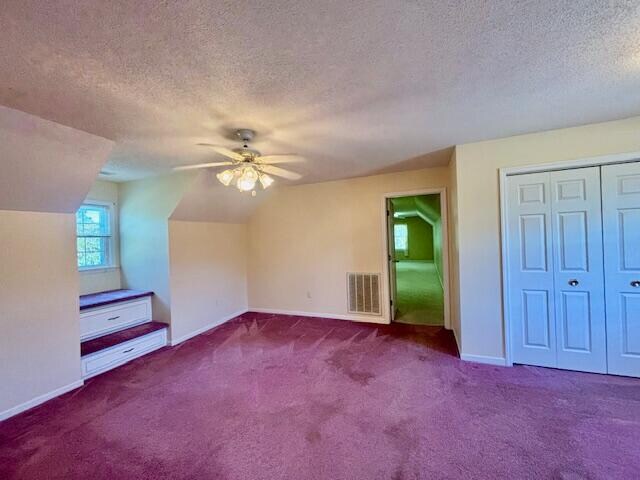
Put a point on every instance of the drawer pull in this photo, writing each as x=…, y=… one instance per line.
x=129, y=350
x=113, y=318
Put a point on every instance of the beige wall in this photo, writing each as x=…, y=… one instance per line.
x=39, y=319
x=145, y=207
x=208, y=268
x=207, y=200
x=104, y=279
x=304, y=239
x=478, y=213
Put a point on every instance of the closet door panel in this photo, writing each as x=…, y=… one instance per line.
x=578, y=270
x=575, y=317
x=531, y=297
x=621, y=209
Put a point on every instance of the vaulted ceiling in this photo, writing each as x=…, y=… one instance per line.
x=357, y=87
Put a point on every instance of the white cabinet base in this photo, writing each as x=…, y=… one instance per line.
x=112, y=357
x=99, y=321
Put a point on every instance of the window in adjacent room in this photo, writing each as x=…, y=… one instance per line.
x=94, y=236
x=401, y=238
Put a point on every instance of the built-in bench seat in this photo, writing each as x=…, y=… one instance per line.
x=101, y=343
x=116, y=327
x=110, y=351
x=100, y=299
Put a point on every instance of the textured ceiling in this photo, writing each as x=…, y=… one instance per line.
x=357, y=87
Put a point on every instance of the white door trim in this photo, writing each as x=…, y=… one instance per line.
x=386, y=295
x=503, y=173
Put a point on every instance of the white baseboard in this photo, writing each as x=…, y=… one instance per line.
x=335, y=316
x=499, y=361
x=40, y=399
x=209, y=326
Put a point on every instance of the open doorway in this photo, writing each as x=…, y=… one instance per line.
x=416, y=254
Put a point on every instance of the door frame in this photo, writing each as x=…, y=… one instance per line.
x=505, y=172
x=386, y=293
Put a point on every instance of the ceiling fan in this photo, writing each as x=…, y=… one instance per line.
x=247, y=165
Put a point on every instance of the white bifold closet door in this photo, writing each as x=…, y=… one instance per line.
x=578, y=270
x=530, y=265
x=556, y=279
x=621, y=209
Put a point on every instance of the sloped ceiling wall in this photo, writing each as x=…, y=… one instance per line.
x=429, y=206
x=207, y=200
x=44, y=166
x=425, y=206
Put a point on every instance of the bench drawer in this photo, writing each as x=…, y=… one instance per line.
x=102, y=320
x=104, y=360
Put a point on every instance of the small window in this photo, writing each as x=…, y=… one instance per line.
x=93, y=232
x=401, y=238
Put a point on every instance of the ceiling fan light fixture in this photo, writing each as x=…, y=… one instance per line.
x=265, y=180
x=246, y=166
x=246, y=185
x=247, y=180
x=226, y=177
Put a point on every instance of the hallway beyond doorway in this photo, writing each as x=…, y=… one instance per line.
x=417, y=258
x=420, y=295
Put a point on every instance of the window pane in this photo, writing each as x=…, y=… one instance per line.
x=93, y=235
x=79, y=221
x=93, y=220
x=400, y=236
x=94, y=245
x=93, y=259
x=91, y=229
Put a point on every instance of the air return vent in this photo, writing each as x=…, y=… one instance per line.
x=363, y=290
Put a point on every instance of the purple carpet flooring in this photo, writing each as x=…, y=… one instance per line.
x=274, y=397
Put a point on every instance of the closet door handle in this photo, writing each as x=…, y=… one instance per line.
x=573, y=282
x=635, y=283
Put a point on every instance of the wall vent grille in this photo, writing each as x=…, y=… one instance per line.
x=363, y=292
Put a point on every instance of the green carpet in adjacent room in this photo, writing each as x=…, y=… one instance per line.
x=420, y=299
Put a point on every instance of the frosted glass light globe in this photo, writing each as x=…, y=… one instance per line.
x=225, y=177
x=265, y=180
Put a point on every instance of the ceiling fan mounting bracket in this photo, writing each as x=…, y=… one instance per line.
x=245, y=134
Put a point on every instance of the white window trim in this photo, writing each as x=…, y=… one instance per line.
x=113, y=261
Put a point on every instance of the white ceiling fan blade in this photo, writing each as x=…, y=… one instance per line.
x=202, y=165
x=227, y=152
x=281, y=158
x=280, y=172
